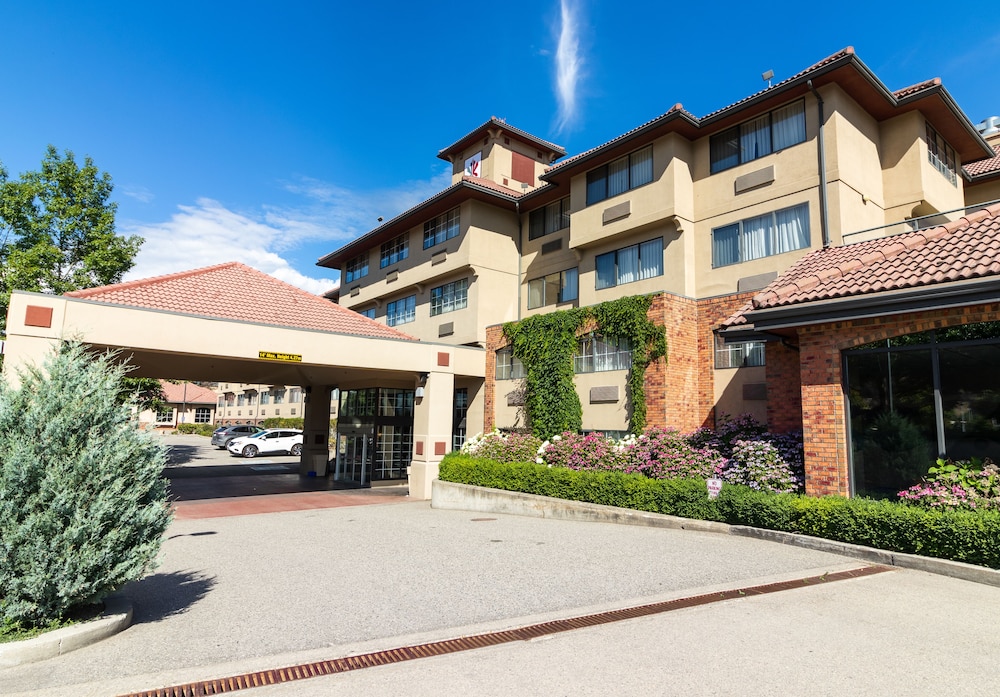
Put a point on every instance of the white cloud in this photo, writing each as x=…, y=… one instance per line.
x=569, y=64
x=139, y=193
x=209, y=233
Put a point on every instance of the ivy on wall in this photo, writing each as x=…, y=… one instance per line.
x=546, y=343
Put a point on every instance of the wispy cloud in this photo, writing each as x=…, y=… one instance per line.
x=569, y=64
x=139, y=193
x=268, y=239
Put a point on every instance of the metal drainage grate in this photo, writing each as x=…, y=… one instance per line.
x=478, y=641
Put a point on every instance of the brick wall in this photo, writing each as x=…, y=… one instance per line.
x=711, y=313
x=494, y=340
x=784, y=388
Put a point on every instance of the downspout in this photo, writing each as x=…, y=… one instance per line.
x=519, y=245
x=824, y=215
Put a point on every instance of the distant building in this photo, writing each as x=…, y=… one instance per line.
x=185, y=402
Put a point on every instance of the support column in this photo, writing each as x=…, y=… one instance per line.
x=315, y=430
x=432, y=417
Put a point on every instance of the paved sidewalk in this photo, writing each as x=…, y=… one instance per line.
x=258, y=592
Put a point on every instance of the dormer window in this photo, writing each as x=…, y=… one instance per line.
x=942, y=156
x=774, y=131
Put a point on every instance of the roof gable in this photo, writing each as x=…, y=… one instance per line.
x=187, y=392
x=234, y=291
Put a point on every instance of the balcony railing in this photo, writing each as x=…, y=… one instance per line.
x=913, y=224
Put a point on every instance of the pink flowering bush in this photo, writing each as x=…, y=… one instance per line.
x=759, y=465
x=663, y=453
x=965, y=484
x=503, y=447
x=593, y=451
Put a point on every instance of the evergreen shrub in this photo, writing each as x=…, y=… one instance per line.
x=83, y=505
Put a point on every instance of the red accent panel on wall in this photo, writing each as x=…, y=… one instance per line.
x=522, y=168
x=37, y=316
x=444, y=358
x=419, y=447
x=439, y=447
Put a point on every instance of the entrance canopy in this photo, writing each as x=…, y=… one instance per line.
x=233, y=323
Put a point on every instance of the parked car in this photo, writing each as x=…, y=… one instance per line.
x=274, y=440
x=224, y=434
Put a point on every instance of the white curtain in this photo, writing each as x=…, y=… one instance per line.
x=617, y=177
x=651, y=258
x=628, y=264
x=789, y=125
x=791, y=229
x=755, y=138
x=570, y=285
x=755, y=237
x=641, y=163
x=726, y=245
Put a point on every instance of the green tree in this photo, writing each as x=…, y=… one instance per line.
x=57, y=230
x=83, y=504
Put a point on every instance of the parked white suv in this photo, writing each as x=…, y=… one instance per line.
x=274, y=440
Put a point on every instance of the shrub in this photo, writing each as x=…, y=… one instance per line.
x=83, y=506
x=593, y=451
x=965, y=484
x=198, y=429
x=503, y=447
x=282, y=422
x=663, y=453
x=967, y=536
x=758, y=464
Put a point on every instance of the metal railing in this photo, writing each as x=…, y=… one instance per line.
x=913, y=224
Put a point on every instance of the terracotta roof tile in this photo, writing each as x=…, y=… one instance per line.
x=964, y=249
x=492, y=186
x=919, y=87
x=235, y=291
x=187, y=392
x=984, y=167
x=500, y=123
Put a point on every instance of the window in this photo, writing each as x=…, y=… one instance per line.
x=279, y=396
x=596, y=354
x=630, y=264
x=557, y=287
x=394, y=251
x=620, y=176
x=551, y=218
x=441, y=228
x=752, y=238
x=401, y=311
x=222, y=400
x=758, y=137
x=508, y=367
x=203, y=415
x=450, y=297
x=941, y=156
x=395, y=402
x=165, y=417
x=356, y=268
x=369, y=313
x=739, y=354
x=458, y=420
x=295, y=396
x=241, y=400
x=265, y=397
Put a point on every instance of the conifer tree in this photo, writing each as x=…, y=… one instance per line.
x=83, y=504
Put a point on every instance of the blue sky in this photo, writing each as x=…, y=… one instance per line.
x=273, y=132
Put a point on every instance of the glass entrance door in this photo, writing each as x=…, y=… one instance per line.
x=354, y=452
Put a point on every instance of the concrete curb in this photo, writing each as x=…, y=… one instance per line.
x=116, y=617
x=464, y=497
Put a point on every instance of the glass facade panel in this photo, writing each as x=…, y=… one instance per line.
x=970, y=400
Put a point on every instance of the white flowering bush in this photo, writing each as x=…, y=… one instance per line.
x=500, y=446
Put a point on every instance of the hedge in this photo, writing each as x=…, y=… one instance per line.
x=967, y=536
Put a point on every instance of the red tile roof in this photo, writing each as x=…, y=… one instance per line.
x=494, y=122
x=985, y=167
x=492, y=186
x=965, y=249
x=187, y=392
x=235, y=291
x=917, y=88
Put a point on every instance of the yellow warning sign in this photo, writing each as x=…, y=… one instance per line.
x=277, y=356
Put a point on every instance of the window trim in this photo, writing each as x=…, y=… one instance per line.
x=460, y=297
x=356, y=268
x=508, y=370
x=616, y=253
x=394, y=251
x=409, y=314
x=739, y=225
x=941, y=155
x=442, y=225
x=560, y=279
x=601, y=173
x=751, y=352
x=538, y=219
x=618, y=359
x=718, y=165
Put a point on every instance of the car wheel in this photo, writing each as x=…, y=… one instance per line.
x=296, y=449
x=250, y=451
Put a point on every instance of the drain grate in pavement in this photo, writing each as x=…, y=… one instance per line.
x=478, y=641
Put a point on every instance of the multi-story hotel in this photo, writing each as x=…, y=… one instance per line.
x=704, y=212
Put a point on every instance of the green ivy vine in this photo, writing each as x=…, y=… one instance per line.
x=546, y=344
